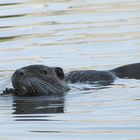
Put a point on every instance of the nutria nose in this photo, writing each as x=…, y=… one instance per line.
x=20, y=72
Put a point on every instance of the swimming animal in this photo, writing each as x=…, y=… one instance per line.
x=34, y=80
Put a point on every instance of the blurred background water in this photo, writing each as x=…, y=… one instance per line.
x=73, y=34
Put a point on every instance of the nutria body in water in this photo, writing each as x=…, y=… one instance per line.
x=36, y=80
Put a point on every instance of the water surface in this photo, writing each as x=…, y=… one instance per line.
x=82, y=34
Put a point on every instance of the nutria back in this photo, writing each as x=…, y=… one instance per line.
x=131, y=71
x=90, y=77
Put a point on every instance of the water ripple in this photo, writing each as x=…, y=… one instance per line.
x=87, y=34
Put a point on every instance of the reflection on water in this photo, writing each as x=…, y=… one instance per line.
x=82, y=34
x=38, y=105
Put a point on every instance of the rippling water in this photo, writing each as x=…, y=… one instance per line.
x=73, y=34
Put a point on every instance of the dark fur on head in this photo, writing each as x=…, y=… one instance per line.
x=36, y=80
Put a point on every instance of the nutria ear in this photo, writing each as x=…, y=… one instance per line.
x=59, y=73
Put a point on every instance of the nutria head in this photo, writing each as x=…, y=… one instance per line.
x=36, y=80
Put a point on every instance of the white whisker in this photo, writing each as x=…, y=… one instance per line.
x=5, y=83
x=43, y=86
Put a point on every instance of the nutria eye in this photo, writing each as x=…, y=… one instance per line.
x=43, y=72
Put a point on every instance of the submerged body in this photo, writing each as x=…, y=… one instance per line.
x=131, y=71
x=36, y=80
x=90, y=77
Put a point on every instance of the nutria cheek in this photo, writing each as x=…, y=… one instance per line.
x=21, y=91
